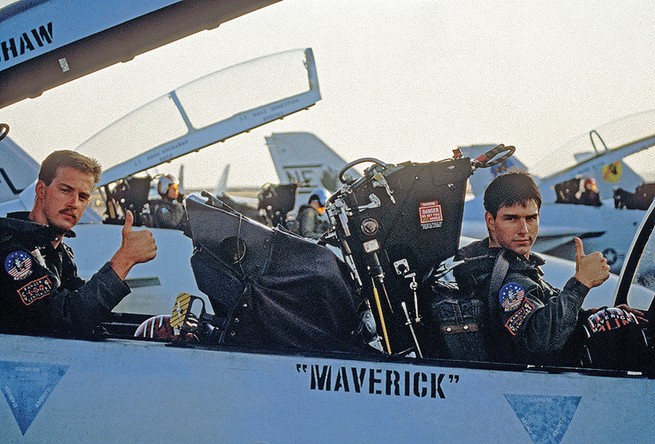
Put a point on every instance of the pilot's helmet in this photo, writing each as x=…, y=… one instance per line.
x=165, y=182
x=321, y=195
x=590, y=184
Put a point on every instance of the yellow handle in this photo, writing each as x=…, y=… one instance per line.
x=382, y=323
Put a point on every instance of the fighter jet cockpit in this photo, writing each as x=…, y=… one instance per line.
x=578, y=191
x=394, y=230
x=271, y=289
x=155, y=201
x=132, y=194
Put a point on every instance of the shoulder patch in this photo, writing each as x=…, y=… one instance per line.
x=37, y=289
x=511, y=296
x=515, y=321
x=18, y=264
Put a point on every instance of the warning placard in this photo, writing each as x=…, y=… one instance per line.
x=430, y=215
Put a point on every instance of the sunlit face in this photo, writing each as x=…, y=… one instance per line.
x=173, y=191
x=514, y=228
x=317, y=206
x=62, y=203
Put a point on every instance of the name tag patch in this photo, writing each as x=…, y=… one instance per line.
x=35, y=290
x=515, y=322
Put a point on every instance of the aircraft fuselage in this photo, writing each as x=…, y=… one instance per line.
x=64, y=390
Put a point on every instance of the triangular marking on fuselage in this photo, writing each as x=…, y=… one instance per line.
x=546, y=418
x=26, y=387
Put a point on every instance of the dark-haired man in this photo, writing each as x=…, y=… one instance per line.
x=39, y=286
x=530, y=320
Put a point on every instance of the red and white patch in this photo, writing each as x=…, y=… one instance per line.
x=35, y=290
x=430, y=214
x=607, y=319
x=514, y=323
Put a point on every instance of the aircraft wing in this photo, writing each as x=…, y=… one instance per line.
x=47, y=43
x=553, y=236
x=206, y=111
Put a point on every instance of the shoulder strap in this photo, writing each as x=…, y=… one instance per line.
x=501, y=267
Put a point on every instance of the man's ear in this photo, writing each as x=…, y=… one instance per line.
x=39, y=189
x=489, y=220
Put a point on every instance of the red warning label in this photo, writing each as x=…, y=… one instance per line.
x=430, y=215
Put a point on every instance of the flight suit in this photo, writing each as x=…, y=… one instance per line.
x=165, y=213
x=530, y=321
x=40, y=290
x=310, y=223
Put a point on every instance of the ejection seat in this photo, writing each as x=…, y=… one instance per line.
x=129, y=194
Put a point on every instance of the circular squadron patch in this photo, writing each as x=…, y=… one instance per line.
x=511, y=296
x=18, y=264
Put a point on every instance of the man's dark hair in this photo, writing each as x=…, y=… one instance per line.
x=509, y=189
x=68, y=158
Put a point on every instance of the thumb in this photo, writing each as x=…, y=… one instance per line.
x=129, y=220
x=579, y=249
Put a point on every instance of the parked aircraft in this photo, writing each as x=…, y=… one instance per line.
x=561, y=176
x=604, y=228
x=598, y=154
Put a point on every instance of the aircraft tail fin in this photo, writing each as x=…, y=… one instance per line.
x=483, y=176
x=304, y=158
x=180, y=177
x=221, y=186
x=17, y=171
x=617, y=174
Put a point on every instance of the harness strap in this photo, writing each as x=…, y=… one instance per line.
x=498, y=274
x=501, y=267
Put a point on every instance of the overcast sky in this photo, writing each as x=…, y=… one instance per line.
x=400, y=80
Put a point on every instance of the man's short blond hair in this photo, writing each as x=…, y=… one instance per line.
x=68, y=158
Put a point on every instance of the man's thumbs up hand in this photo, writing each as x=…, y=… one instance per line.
x=590, y=270
x=136, y=247
x=129, y=221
